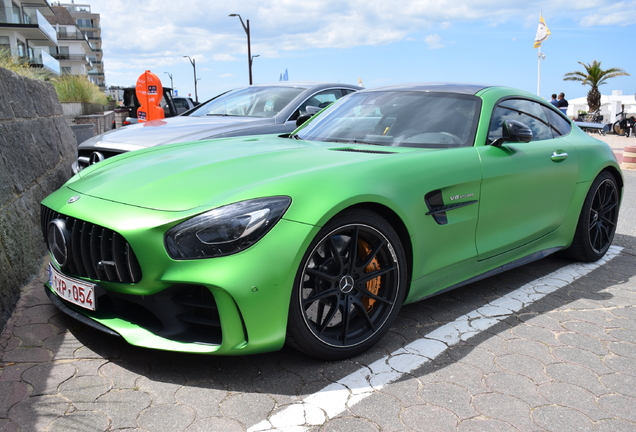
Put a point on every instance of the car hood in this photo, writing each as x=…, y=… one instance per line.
x=185, y=176
x=171, y=130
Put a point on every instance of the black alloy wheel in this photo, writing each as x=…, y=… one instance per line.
x=598, y=219
x=349, y=288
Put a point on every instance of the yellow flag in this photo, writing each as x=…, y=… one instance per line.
x=542, y=33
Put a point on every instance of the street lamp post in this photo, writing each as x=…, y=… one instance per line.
x=246, y=27
x=194, y=66
x=170, y=75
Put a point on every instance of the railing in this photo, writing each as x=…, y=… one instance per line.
x=45, y=60
x=71, y=57
x=27, y=16
x=72, y=36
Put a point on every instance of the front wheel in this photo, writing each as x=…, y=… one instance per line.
x=618, y=129
x=349, y=287
x=597, y=221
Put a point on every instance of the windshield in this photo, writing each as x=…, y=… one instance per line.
x=249, y=102
x=392, y=118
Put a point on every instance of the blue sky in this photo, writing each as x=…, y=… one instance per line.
x=378, y=41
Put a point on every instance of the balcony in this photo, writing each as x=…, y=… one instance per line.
x=30, y=24
x=43, y=59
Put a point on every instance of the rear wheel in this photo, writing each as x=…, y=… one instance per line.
x=349, y=287
x=597, y=222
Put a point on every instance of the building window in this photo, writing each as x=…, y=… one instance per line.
x=22, y=52
x=65, y=70
x=5, y=42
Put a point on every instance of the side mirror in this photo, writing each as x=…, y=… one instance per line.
x=302, y=119
x=513, y=131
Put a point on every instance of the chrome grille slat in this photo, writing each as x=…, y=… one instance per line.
x=92, y=244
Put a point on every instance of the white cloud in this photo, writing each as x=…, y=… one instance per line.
x=434, y=41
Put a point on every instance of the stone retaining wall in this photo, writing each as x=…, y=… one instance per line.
x=37, y=148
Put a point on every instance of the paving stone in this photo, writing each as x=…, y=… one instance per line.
x=505, y=408
x=33, y=335
x=7, y=425
x=83, y=391
x=205, y=401
x=162, y=393
x=122, y=407
x=524, y=365
x=620, y=383
x=12, y=393
x=530, y=348
x=464, y=375
x=572, y=396
x=623, y=365
x=122, y=377
x=624, y=349
x=619, y=406
x=27, y=355
x=80, y=421
x=382, y=409
x=37, y=412
x=479, y=424
x=166, y=418
x=215, y=424
x=624, y=335
x=405, y=390
x=615, y=425
x=429, y=418
x=577, y=375
x=590, y=329
x=515, y=385
x=539, y=334
x=584, y=358
x=349, y=425
x=584, y=342
x=559, y=419
x=46, y=378
x=450, y=396
x=260, y=405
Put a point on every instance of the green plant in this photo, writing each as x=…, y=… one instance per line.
x=77, y=88
x=594, y=76
x=20, y=66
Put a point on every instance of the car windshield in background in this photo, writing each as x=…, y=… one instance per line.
x=405, y=119
x=249, y=102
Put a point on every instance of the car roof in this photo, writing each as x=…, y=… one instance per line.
x=438, y=87
x=306, y=84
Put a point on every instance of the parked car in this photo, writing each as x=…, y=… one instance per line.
x=183, y=104
x=316, y=238
x=253, y=110
x=131, y=103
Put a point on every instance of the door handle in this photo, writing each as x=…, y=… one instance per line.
x=559, y=156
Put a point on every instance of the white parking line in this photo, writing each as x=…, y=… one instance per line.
x=317, y=408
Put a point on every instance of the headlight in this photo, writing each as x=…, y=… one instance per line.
x=225, y=230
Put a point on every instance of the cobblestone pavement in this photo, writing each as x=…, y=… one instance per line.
x=566, y=362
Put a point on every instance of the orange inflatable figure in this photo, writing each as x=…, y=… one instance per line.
x=149, y=92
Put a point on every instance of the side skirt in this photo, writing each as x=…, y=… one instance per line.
x=509, y=266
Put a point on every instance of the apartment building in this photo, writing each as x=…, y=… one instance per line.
x=79, y=47
x=25, y=31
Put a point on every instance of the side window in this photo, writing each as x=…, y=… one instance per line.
x=319, y=100
x=527, y=112
x=559, y=125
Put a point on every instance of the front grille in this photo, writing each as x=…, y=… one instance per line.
x=95, y=252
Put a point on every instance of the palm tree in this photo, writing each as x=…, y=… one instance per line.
x=594, y=76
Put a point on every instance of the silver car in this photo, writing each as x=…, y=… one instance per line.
x=253, y=110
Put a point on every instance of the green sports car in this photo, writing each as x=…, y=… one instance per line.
x=316, y=238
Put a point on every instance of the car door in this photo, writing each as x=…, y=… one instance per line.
x=320, y=100
x=526, y=187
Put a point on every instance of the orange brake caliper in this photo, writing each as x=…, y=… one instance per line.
x=373, y=285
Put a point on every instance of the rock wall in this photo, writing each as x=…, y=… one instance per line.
x=37, y=148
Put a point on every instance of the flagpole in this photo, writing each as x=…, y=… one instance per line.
x=539, y=74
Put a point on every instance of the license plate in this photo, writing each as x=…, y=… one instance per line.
x=72, y=290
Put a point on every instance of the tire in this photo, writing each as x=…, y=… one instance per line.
x=597, y=222
x=618, y=130
x=349, y=288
